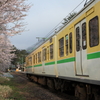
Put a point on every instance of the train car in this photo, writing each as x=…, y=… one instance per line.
x=70, y=59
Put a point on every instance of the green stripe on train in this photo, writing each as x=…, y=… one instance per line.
x=89, y=56
x=29, y=67
x=93, y=55
x=38, y=65
x=50, y=63
x=66, y=60
x=58, y=62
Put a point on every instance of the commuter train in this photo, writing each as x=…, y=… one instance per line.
x=70, y=58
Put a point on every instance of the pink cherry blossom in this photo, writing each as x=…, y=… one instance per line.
x=12, y=14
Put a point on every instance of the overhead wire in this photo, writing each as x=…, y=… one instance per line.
x=52, y=32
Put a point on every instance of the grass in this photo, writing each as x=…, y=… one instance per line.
x=9, y=89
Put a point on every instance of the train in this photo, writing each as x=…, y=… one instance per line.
x=69, y=60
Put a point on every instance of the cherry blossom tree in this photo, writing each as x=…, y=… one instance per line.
x=5, y=52
x=12, y=14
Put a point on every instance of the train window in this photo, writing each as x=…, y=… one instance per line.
x=44, y=54
x=61, y=47
x=66, y=41
x=30, y=60
x=45, y=50
x=84, y=42
x=39, y=56
x=48, y=53
x=34, y=59
x=51, y=51
x=94, y=32
x=77, y=39
x=70, y=42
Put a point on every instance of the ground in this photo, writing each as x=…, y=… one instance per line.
x=23, y=89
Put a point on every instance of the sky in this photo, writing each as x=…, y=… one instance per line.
x=42, y=17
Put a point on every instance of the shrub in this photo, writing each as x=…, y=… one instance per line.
x=5, y=91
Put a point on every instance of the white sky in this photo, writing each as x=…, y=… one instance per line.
x=43, y=16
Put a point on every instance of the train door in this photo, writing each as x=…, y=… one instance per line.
x=81, y=48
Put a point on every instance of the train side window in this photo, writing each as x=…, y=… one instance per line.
x=70, y=42
x=36, y=58
x=84, y=42
x=66, y=41
x=77, y=39
x=48, y=53
x=51, y=51
x=30, y=60
x=45, y=54
x=39, y=56
x=94, y=32
x=42, y=55
x=61, y=47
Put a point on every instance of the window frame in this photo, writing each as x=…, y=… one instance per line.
x=34, y=59
x=45, y=54
x=84, y=36
x=51, y=51
x=39, y=56
x=70, y=42
x=91, y=35
x=48, y=53
x=61, y=47
x=67, y=44
x=77, y=38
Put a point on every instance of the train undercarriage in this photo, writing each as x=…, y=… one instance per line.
x=82, y=91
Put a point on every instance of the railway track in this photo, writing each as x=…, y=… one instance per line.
x=41, y=92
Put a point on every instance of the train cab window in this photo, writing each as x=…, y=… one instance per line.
x=51, y=51
x=70, y=42
x=77, y=39
x=94, y=32
x=66, y=41
x=61, y=47
x=84, y=42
